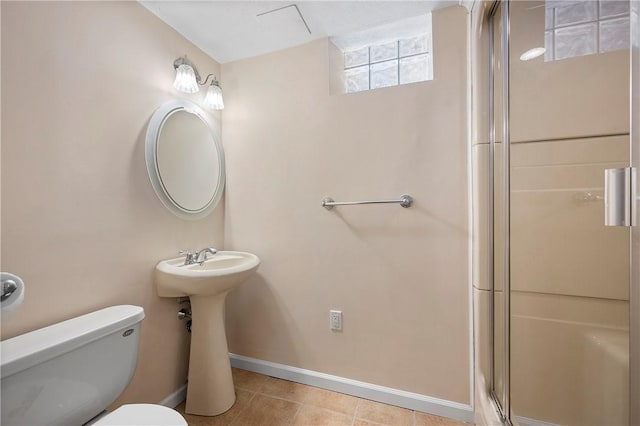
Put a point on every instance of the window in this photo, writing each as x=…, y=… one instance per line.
x=388, y=64
x=578, y=28
x=395, y=53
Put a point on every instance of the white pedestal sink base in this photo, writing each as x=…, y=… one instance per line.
x=210, y=388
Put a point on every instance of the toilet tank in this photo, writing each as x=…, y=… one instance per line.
x=69, y=372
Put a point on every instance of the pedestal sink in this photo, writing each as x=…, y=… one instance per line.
x=210, y=388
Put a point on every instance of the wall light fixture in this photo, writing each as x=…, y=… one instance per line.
x=188, y=79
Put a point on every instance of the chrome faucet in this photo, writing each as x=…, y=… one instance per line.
x=204, y=252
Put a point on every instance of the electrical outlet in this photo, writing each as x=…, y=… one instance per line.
x=335, y=320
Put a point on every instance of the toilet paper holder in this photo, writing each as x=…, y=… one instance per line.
x=11, y=294
x=9, y=286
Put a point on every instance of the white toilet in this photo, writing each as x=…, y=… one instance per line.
x=70, y=372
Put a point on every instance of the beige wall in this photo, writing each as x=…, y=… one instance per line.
x=399, y=275
x=80, y=221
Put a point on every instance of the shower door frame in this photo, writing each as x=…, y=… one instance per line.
x=504, y=408
x=634, y=291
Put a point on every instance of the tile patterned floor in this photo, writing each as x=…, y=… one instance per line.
x=264, y=400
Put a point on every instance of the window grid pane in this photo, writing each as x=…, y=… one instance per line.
x=576, y=13
x=614, y=34
x=585, y=28
x=356, y=79
x=384, y=52
x=610, y=8
x=413, y=46
x=384, y=74
x=414, y=68
x=577, y=40
x=356, y=57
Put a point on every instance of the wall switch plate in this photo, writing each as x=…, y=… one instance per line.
x=335, y=320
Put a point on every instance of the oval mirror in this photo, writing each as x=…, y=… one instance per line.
x=185, y=160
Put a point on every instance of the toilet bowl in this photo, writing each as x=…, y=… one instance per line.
x=70, y=372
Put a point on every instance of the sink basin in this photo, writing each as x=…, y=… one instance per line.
x=220, y=273
x=210, y=388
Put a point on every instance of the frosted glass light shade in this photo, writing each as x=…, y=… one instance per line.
x=186, y=79
x=213, y=99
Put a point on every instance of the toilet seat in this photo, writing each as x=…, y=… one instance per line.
x=142, y=415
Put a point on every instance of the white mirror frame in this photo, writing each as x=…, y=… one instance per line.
x=154, y=130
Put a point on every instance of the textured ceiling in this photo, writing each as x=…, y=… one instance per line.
x=232, y=30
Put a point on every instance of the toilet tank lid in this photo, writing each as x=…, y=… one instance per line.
x=35, y=347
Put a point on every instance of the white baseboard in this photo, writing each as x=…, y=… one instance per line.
x=412, y=401
x=176, y=398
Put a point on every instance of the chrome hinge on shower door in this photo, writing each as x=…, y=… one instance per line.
x=620, y=197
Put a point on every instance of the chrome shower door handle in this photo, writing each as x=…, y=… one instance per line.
x=620, y=197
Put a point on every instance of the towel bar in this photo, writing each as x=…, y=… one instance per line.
x=404, y=201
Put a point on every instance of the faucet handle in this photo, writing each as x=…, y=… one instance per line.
x=190, y=256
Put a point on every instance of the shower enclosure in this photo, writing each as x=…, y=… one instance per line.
x=556, y=292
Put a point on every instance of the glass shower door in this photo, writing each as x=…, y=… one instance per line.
x=569, y=275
